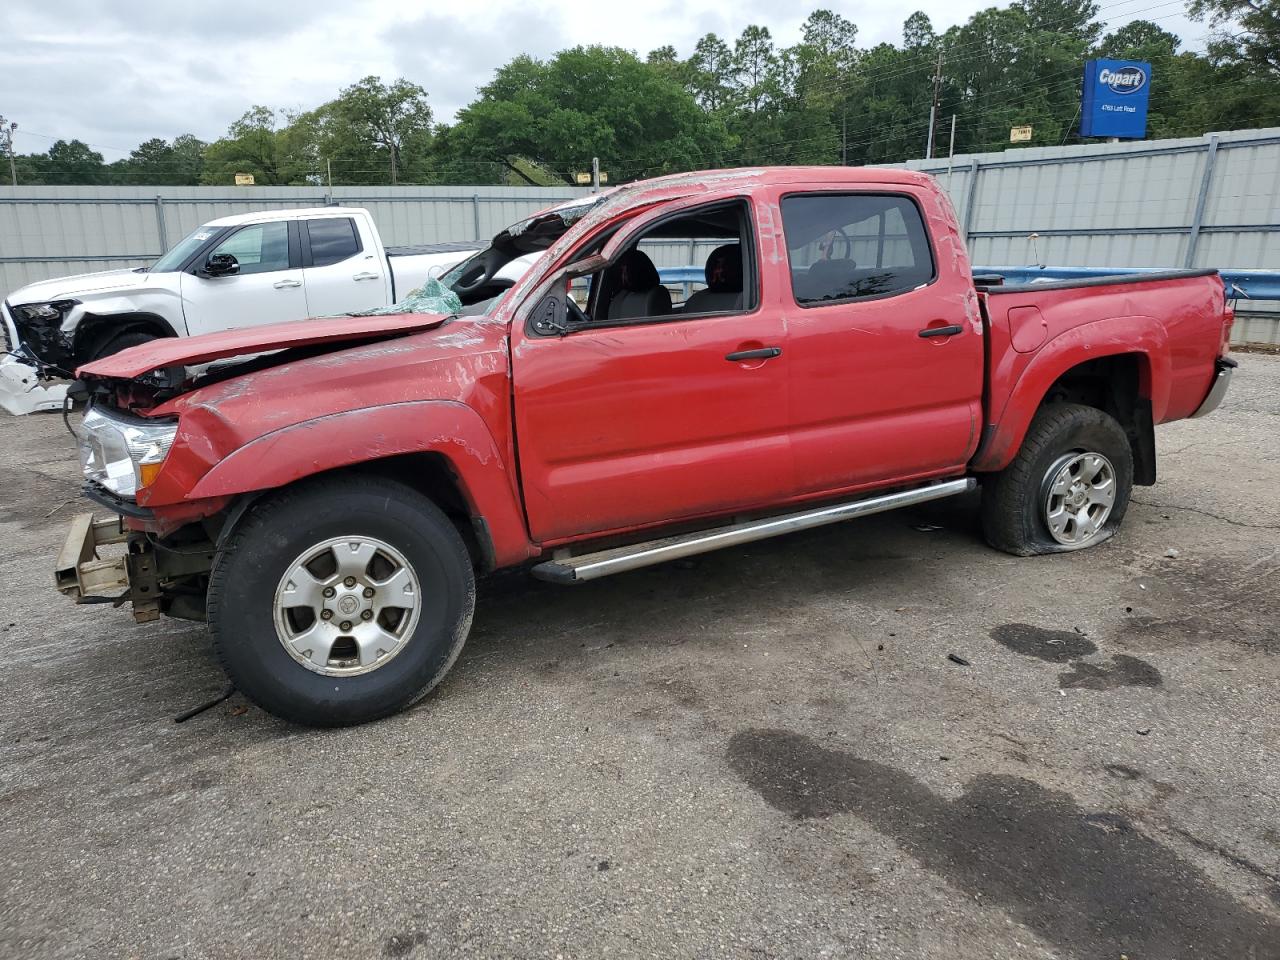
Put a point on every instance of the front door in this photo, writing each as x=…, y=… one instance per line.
x=885, y=343
x=267, y=288
x=644, y=419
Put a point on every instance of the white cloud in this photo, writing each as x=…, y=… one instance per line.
x=117, y=75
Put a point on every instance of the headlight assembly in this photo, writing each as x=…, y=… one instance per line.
x=122, y=453
x=45, y=311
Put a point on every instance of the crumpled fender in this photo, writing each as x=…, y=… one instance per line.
x=1108, y=337
x=371, y=433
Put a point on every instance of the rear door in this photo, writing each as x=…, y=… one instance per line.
x=886, y=351
x=342, y=270
x=267, y=287
x=653, y=419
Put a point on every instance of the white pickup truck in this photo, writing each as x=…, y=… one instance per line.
x=237, y=271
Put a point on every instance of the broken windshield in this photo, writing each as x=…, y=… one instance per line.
x=557, y=219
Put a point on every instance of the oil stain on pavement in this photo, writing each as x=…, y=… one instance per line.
x=1055, y=646
x=1069, y=647
x=1089, y=883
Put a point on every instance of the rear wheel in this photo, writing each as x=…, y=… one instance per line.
x=1068, y=487
x=342, y=601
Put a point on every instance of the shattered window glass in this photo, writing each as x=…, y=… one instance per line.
x=432, y=297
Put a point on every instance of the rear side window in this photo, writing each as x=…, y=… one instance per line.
x=849, y=246
x=332, y=240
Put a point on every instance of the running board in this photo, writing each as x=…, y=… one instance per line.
x=592, y=566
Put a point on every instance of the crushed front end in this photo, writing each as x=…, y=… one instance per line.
x=158, y=564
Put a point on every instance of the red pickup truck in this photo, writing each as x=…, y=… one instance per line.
x=325, y=492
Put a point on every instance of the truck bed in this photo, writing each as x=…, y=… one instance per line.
x=1175, y=322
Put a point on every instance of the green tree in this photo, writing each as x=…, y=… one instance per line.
x=711, y=73
x=156, y=161
x=372, y=124
x=1247, y=32
x=259, y=143
x=71, y=162
x=586, y=102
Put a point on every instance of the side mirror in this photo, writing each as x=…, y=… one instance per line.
x=221, y=265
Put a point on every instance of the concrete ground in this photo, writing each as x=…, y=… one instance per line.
x=763, y=753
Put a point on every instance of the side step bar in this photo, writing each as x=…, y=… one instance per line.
x=592, y=566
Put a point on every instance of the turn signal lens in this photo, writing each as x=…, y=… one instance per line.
x=147, y=473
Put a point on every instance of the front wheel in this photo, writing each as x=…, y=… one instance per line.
x=121, y=341
x=1068, y=487
x=342, y=601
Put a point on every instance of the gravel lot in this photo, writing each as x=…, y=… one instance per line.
x=763, y=753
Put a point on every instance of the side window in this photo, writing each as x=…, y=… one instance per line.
x=332, y=240
x=259, y=247
x=846, y=246
x=652, y=278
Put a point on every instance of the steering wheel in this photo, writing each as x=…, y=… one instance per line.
x=472, y=280
x=848, y=245
x=575, y=312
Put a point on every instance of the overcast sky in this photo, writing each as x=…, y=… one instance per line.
x=115, y=75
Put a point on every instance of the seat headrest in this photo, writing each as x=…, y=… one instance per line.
x=724, y=269
x=636, y=272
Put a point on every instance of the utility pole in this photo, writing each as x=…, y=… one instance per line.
x=6, y=131
x=951, y=154
x=933, y=109
x=844, y=140
x=595, y=174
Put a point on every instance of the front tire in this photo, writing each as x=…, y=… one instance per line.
x=122, y=341
x=1068, y=488
x=341, y=601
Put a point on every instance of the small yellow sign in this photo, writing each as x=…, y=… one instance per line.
x=244, y=179
x=585, y=178
x=1019, y=134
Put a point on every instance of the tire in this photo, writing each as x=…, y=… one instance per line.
x=121, y=341
x=1047, y=485
x=256, y=575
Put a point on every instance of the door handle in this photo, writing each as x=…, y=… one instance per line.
x=283, y=284
x=950, y=331
x=365, y=276
x=763, y=353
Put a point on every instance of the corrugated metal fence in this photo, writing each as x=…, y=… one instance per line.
x=1211, y=201
x=56, y=231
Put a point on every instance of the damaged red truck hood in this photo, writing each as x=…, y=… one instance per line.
x=186, y=351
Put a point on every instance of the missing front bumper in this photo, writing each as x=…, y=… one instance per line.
x=88, y=573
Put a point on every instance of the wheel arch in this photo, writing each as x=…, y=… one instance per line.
x=439, y=448
x=95, y=330
x=1119, y=367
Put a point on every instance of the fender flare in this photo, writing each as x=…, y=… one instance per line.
x=1109, y=337
x=353, y=437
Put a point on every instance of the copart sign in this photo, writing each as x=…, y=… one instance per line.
x=1114, y=99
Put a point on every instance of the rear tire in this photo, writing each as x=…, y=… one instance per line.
x=291, y=631
x=1068, y=487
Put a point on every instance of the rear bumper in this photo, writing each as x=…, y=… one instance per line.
x=88, y=573
x=1221, y=381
